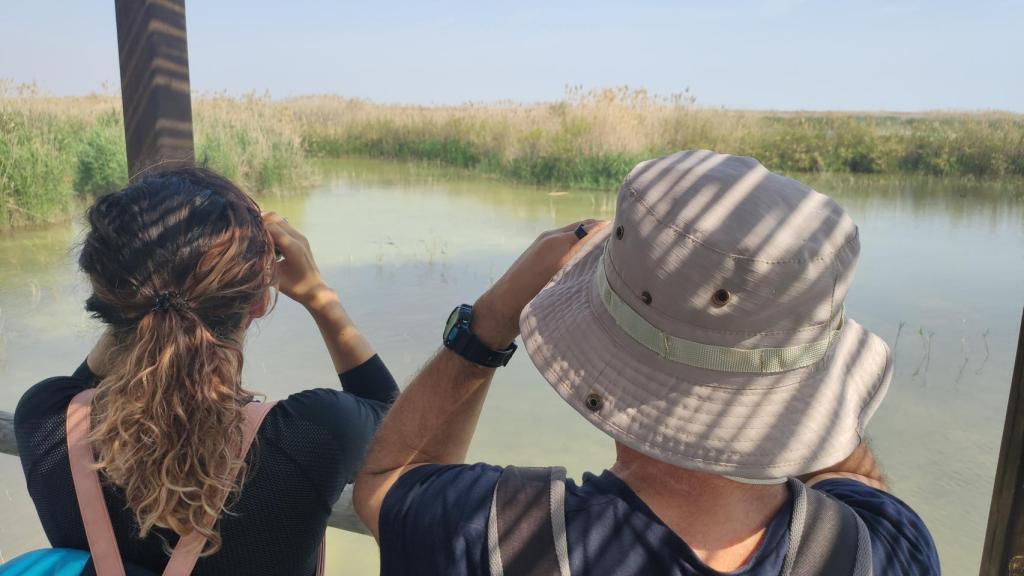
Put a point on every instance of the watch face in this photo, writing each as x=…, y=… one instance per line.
x=452, y=321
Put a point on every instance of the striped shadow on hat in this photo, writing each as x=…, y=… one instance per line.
x=705, y=327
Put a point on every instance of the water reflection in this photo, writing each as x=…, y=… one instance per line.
x=941, y=278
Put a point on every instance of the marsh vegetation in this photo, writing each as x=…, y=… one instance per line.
x=56, y=149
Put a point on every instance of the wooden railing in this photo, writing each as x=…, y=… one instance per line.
x=343, y=516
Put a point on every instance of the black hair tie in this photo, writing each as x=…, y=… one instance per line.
x=167, y=300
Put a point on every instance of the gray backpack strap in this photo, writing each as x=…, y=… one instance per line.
x=826, y=537
x=526, y=526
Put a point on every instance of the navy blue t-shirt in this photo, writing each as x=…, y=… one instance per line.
x=434, y=521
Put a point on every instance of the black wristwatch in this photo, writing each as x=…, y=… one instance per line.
x=460, y=339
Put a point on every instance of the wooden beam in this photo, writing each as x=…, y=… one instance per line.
x=1004, y=541
x=153, y=51
x=343, y=515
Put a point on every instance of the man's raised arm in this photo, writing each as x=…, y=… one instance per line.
x=434, y=419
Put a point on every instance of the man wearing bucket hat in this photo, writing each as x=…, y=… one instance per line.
x=704, y=331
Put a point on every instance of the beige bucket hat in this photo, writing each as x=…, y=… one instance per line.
x=705, y=327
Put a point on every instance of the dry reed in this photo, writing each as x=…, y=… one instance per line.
x=53, y=148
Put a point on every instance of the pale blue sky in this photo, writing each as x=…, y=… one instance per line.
x=776, y=54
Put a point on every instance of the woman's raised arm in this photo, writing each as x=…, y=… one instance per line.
x=299, y=279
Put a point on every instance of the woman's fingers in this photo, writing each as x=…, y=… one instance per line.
x=280, y=223
x=285, y=236
x=275, y=222
x=282, y=240
x=272, y=217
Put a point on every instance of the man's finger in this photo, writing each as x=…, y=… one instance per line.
x=590, y=229
x=580, y=242
x=589, y=226
x=573, y=226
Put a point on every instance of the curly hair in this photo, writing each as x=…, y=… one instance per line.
x=178, y=262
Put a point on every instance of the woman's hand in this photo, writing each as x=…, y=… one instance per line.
x=298, y=276
x=299, y=279
x=496, y=313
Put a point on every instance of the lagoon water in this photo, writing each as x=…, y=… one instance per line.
x=941, y=278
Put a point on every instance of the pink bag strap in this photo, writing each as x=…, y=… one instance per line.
x=321, y=557
x=99, y=532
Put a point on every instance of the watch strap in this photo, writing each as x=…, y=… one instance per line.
x=475, y=351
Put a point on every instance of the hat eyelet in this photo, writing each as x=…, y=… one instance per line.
x=619, y=232
x=594, y=402
x=721, y=297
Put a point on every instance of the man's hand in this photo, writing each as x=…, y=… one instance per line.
x=434, y=419
x=861, y=466
x=496, y=313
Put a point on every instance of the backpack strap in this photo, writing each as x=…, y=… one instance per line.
x=321, y=556
x=106, y=557
x=99, y=532
x=190, y=546
x=526, y=525
x=826, y=537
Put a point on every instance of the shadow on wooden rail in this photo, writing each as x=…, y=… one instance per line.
x=343, y=516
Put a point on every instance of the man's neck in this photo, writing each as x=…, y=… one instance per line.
x=722, y=520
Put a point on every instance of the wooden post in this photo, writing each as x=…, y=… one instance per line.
x=155, y=90
x=1004, y=541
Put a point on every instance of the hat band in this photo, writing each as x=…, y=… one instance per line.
x=709, y=356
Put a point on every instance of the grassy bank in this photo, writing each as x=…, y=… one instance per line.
x=54, y=150
x=593, y=139
x=57, y=152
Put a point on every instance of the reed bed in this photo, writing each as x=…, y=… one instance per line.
x=55, y=150
x=593, y=138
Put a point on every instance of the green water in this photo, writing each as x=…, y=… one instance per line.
x=943, y=259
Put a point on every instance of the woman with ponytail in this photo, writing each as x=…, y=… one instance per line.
x=180, y=264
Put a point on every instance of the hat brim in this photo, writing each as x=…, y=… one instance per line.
x=756, y=426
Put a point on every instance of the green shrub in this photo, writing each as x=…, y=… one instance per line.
x=250, y=142
x=34, y=169
x=51, y=147
x=102, y=163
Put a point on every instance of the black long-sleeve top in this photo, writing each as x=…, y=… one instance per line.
x=309, y=447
